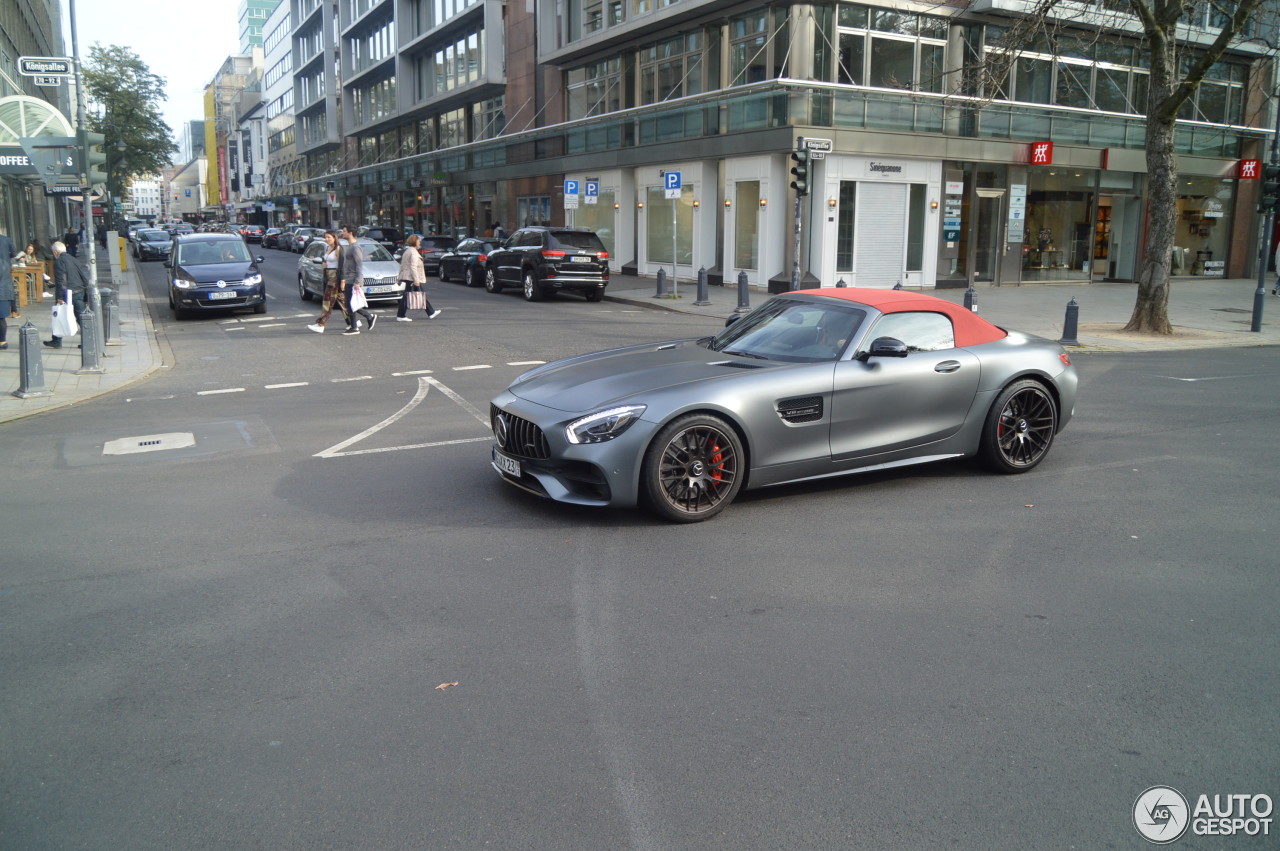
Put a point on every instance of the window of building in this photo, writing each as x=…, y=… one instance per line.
x=488, y=119
x=890, y=49
x=533, y=210
x=673, y=68
x=594, y=89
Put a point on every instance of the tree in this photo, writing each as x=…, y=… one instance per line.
x=124, y=97
x=1176, y=71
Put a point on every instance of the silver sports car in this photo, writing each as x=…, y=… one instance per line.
x=811, y=384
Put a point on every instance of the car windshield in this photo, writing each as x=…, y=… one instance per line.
x=204, y=253
x=155, y=236
x=436, y=242
x=375, y=253
x=795, y=331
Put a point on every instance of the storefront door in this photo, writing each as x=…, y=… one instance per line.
x=988, y=226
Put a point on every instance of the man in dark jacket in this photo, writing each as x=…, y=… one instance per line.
x=352, y=275
x=68, y=274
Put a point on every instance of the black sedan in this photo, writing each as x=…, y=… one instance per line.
x=152, y=244
x=465, y=262
x=811, y=384
x=431, y=247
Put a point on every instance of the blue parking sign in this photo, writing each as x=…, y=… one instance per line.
x=571, y=187
x=672, y=180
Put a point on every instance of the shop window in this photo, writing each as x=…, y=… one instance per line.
x=845, y=227
x=746, y=225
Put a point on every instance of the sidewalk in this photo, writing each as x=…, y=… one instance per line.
x=132, y=356
x=1206, y=313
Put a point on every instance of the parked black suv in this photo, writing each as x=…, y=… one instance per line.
x=389, y=238
x=543, y=260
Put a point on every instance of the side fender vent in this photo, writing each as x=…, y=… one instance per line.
x=802, y=409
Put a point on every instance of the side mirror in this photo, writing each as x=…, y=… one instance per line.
x=888, y=347
x=259, y=259
x=168, y=263
x=732, y=319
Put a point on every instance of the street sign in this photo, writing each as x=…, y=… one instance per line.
x=671, y=182
x=44, y=66
x=48, y=81
x=592, y=195
x=817, y=148
x=571, y=194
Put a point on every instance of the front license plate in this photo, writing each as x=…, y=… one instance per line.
x=220, y=296
x=506, y=464
x=375, y=290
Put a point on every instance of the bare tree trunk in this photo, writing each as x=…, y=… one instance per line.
x=1151, y=309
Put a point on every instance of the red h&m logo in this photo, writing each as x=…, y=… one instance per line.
x=1249, y=170
x=1042, y=153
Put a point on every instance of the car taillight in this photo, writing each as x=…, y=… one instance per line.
x=603, y=255
x=482, y=258
x=551, y=252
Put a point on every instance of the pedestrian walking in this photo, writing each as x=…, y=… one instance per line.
x=69, y=279
x=351, y=273
x=413, y=276
x=333, y=291
x=8, y=296
x=72, y=241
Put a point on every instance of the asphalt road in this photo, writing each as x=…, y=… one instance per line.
x=243, y=644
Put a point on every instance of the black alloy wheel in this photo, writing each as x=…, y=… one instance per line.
x=1019, y=428
x=693, y=468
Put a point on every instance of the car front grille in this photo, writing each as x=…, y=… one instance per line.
x=520, y=438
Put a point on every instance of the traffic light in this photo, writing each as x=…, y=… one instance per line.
x=801, y=172
x=1270, y=199
x=95, y=162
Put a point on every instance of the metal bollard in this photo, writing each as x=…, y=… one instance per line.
x=662, y=284
x=90, y=344
x=1070, y=323
x=703, y=297
x=841, y=284
x=31, y=367
x=898, y=285
x=111, y=317
x=744, y=297
x=971, y=299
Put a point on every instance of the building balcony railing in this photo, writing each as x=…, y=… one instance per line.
x=786, y=103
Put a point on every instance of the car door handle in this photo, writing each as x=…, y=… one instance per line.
x=947, y=366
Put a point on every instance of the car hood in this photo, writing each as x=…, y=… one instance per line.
x=600, y=379
x=213, y=272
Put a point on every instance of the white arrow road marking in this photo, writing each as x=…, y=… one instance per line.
x=424, y=385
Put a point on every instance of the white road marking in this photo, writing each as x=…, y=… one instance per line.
x=274, y=325
x=218, y=392
x=476, y=366
x=411, y=372
x=291, y=384
x=237, y=328
x=356, y=378
x=1213, y=377
x=258, y=319
x=424, y=385
x=525, y=362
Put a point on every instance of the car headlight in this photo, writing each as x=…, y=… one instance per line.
x=253, y=280
x=602, y=426
x=183, y=284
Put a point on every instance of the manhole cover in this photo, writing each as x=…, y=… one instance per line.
x=149, y=443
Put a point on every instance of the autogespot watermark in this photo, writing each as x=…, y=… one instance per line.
x=1162, y=815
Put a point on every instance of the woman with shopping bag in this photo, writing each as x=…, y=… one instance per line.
x=413, y=276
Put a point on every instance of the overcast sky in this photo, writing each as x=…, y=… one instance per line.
x=183, y=42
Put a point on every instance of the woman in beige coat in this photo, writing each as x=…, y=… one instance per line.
x=414, y=276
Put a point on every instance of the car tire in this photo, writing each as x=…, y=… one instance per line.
x=443, y=277
x=593, y=295
x=491, y=282
x=473, y=277
x=303, y=292
x=693, y=468
x=531, y=288
x=260, y=308
x=1019, y=428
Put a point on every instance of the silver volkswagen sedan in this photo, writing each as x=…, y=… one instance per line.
x=812, y=384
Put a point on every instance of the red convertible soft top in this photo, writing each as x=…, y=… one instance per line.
x=971, y=329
